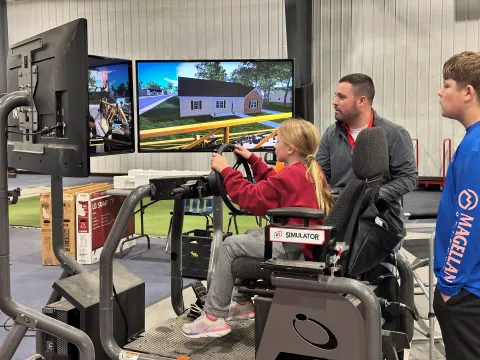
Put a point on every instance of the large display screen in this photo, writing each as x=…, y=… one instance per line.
x=200, y=105
x=110, y=94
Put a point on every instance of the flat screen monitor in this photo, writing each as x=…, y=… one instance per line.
x=50, y=135
x=110, y=98
x=196, y=106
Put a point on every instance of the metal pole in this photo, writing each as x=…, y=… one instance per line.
x=11, y=342
x=299, y=20
x=407, y=296
x=176, y=256
x=16, y=99
x=217, y=236
x=109, y=343
x=58, y=242
x=7, y=104
x=23, y=315
x=70, y=266
x=3, y=46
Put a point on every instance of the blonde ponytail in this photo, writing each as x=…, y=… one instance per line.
x=306, y=139
x=322, y=193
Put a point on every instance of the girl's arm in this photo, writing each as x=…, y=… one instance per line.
x=260, y=170
x=254, y=198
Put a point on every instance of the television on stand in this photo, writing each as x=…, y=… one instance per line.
x=198, y=105
x=110, y=98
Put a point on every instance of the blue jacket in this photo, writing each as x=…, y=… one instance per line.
x=457, y=237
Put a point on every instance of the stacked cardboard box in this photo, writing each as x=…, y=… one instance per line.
x=71, y=224
x=69, y=234
x=95, y=214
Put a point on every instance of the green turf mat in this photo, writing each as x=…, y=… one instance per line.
x=157, y=217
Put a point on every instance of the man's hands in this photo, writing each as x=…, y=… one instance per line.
x=219, y=162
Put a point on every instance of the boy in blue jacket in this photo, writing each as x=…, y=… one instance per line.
x=457, y=243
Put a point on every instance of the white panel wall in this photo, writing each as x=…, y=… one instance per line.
x=402, y=44
x=161, y=29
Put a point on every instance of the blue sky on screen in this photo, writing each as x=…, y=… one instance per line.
x=164, y=72
x=116, y=74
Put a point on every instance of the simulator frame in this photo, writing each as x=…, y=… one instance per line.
x=48, y=88
x=200, y=133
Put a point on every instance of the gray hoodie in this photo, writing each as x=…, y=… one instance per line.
x=335, y=158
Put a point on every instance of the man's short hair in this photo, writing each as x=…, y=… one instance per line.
x=464, y=68
x=362, y=85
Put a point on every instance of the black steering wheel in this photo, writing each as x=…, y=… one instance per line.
x=216, y=180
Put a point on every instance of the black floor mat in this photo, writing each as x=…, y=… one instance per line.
x=167, y=340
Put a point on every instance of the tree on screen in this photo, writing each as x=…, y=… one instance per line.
x=91, y=80
x=284, y=76
x=153, y=86
x=268, y=77
x=211, y=71
x=263, y=75
x=246, y=74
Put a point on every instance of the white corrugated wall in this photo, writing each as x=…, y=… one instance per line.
x=161, y=29
x=402, y=44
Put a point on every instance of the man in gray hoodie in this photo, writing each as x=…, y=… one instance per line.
x=353, y=112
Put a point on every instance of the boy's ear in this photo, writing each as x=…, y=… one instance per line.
x=470, y=93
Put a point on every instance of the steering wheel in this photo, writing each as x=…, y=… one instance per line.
x=216, y=180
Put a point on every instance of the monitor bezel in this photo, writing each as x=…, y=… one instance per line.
x=196, y=150
x=133, y=102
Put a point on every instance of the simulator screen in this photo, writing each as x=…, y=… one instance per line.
x=111, y=108
x=200, y=105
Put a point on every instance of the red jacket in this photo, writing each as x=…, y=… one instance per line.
x=289, y=188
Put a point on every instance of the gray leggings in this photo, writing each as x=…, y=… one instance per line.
x=252, y=244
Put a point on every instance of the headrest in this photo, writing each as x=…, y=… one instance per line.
x=370, y=154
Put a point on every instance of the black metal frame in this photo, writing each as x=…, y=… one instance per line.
x=141, y=210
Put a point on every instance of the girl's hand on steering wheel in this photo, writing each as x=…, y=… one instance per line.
x=218, y=162
x=241, y=151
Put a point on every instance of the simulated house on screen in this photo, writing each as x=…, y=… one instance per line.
x=217, y=98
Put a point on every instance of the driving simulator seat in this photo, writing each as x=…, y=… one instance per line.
x=296, y=298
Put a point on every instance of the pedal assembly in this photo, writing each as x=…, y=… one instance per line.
x=201, y=293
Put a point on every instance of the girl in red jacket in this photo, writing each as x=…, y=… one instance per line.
x=300, y=184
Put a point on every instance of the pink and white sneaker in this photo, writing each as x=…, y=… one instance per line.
x=204, y=327
x=241, y=311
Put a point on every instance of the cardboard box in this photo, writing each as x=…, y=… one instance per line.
x=95, y=214
x=69, y=197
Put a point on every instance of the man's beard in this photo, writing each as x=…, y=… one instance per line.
x=351, y=116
